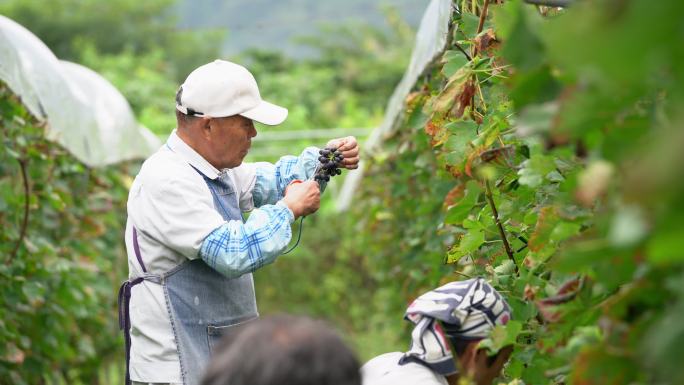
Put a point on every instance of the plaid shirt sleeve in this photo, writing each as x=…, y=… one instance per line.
x=272, y=179
x=237, y=248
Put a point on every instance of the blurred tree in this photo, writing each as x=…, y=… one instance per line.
x=347, y=80
x=115, y=26
x=146, y=79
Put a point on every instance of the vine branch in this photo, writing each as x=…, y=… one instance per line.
x=24, y=224
x=490, y=199
x=483, y=16
x=551, y=3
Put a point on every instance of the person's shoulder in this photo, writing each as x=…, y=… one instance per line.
x=166, y=168
x=385, y=370
x=382, y=362
x=244, y=173
x=391, y=357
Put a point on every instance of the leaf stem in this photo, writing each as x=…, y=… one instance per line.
x=463, y=51
x=462, y=274
x=507, y=246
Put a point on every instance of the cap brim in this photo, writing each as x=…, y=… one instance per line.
x=267, y=113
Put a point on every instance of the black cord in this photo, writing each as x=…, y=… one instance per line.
x=301, y=225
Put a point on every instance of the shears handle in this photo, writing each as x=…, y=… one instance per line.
x=293, y=182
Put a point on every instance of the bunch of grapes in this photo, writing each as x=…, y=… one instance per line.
x=331, y=161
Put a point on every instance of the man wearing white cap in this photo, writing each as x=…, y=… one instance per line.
x=449, y=322
x=190, y=253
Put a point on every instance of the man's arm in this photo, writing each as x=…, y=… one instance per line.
x=236, y=248
x=271, y=180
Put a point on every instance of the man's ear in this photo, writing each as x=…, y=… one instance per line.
x=205, y=124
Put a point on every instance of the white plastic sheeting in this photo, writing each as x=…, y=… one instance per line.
x=431, y=40
x=116, y=126
x=84, y=112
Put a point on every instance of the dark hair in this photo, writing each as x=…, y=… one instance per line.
x=283, y=350
x=182, y=118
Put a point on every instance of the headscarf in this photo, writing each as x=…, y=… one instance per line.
x=469, y=310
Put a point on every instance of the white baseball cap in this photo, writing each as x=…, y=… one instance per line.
x=222, y=88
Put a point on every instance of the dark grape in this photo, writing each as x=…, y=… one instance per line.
x=330, y=160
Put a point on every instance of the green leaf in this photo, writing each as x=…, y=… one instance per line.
x=462, y=133
x=468, y=25
x=454, y=61
x=471, y=241
x=563, y=231
x=534, y=87
x=666, y=246
x=506, y=267
x=501, y=336
x=523, y=48
x=536, y=119
x=460, y=210
x=535, y=170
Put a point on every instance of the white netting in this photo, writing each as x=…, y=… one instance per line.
x=83, y=111
x=430, y=42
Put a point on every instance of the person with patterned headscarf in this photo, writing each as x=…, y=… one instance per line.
x=449, y=322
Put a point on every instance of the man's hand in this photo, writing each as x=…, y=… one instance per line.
x=349, y=148
x=303, y=198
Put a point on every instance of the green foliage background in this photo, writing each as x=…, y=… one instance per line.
x=58, y=310
x=566, y=123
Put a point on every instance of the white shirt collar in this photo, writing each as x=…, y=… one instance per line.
x=177, y=145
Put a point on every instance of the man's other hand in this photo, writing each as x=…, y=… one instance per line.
x=303, y=198
x=349, y=147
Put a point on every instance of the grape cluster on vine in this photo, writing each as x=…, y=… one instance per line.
x=331, y=161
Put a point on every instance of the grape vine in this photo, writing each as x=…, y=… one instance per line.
x=539, y=153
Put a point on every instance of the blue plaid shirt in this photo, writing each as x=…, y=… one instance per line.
x=237, y=247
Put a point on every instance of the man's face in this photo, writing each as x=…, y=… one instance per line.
x=228, y=140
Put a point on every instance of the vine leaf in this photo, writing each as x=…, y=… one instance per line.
x=453, y=62
x=459, y=212
x=502, y=336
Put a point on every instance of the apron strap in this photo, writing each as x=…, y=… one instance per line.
x=136, y=249
x=125, y=319
x=214, y=194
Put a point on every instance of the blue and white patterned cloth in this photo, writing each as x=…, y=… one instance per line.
x=237, y=248
x=468, y=309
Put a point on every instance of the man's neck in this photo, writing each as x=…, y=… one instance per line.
x=183, y=135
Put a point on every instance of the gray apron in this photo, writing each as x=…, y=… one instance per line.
x=202, y=303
